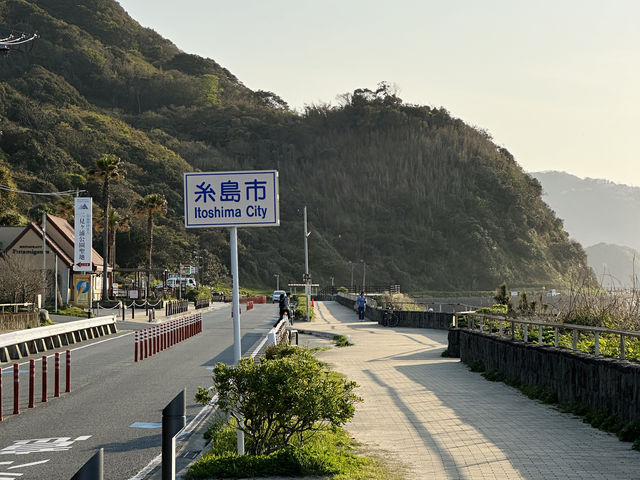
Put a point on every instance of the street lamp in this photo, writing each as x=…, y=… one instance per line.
x=364, y=275
x=351, y=284
x=277, y=281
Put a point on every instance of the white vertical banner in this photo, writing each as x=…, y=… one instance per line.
x=83, y=228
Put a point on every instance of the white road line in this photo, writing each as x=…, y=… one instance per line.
x=29, y=464
x=72, y=350
x=185, y=432
x=255, y=352
x=189, y=428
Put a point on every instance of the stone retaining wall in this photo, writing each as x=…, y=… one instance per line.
x=598, y=382
x=411, y=319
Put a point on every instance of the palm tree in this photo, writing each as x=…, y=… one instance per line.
x=107, y=169
x=147, y=206
x=117, y=223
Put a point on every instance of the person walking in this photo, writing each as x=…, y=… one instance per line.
x=283, y=303
x=361, y=303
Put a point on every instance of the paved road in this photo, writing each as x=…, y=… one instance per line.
x=110, y=393
x=441, y=421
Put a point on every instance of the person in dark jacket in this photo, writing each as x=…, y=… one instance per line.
x=284, y=305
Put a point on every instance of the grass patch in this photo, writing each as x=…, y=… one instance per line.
x=476, y=366
x=319, y=349
x=71, y=311
x=325, y=452
x=341, y=341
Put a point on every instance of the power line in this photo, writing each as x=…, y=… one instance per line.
x=50, y=194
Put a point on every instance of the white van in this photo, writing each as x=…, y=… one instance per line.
x=173, y=282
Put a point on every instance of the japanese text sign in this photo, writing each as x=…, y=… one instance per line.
x=83, y=229
x=231, y=199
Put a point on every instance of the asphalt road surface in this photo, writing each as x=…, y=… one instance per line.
x=114, y=403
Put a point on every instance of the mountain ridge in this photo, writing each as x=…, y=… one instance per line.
x=419, y=196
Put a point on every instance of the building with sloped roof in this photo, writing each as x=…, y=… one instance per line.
x=24, y=244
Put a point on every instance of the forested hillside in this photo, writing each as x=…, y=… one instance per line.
x=421, y=197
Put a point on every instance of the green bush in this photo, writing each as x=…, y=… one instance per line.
x=281, y=398
x=494, y=376
x=476, y=366
x=300, y=312
x=630, y=432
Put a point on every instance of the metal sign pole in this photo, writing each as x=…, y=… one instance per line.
x=235, y=305
x=306, y=262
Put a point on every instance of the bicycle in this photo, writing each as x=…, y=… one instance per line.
x=390, y=319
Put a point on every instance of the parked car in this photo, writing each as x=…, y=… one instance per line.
x=276, y=295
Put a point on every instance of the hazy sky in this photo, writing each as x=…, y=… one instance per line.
x=557, y=82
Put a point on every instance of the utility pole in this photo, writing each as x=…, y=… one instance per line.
x=364, y=275
x=44, y=258
x=351, y=284
x=277, y=281
x=307, y=286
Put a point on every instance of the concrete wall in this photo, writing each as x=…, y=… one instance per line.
x=598, y=382
x=441, y=321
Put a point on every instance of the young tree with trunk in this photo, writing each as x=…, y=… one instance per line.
x=107, y=169
x=148, y=206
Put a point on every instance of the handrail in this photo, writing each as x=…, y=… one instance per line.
x=556, y=326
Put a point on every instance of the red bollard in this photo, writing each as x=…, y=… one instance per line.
x=16, y=389
x=32, y=381
x=165, y=339
x=135, y=346
x=147, y=352
x=156, y=340
x=174, y=332
x=56, y=388
x=44, y=379
x=68, y=377
x=165, y=343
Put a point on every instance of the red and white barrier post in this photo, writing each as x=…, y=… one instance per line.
x=32, y=382
x=16, y=389
x=56, y=391
x=68, y=376
x=44, y=379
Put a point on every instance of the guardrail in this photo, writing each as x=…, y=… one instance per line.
x=505, y=326
x=16, y=345
x=277, y=333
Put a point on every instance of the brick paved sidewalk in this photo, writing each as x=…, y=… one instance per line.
x=444, y=422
